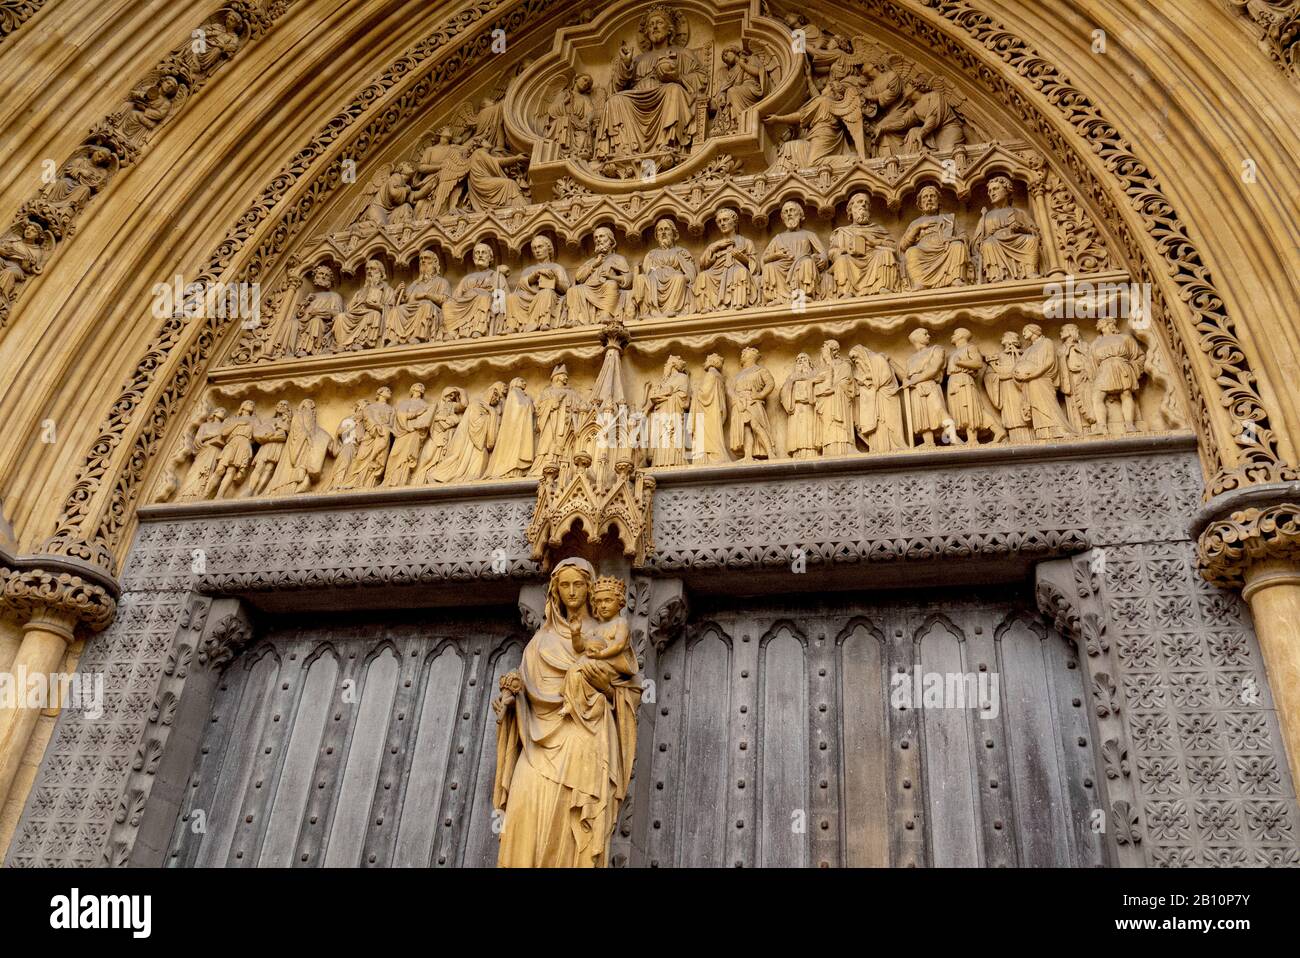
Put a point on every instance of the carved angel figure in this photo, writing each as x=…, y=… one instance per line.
x=150, y=104
x=216, y=40
x=84, y=175
x=571, y=117
x=742, y=83
x=23, y=250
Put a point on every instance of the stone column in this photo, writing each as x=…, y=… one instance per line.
x=49, y=604
x=1250, y=539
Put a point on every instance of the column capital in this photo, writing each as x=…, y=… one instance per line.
x=1239, y=530
x=56, y=593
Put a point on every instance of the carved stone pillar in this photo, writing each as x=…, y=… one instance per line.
x=1052, y=263
x=49, y=598
x=1250, y=539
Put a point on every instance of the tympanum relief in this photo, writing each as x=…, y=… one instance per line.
x=855, y=257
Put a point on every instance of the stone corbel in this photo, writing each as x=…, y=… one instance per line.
x=54, y=592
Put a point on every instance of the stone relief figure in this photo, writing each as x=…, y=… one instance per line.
x=442, y=167
x=220, y=41
x=612, y=641
x=1077, y=373
x=477, y=307
x=270, y=436
x=416, y=316
x=823, y=123
x=446, y=417
x=556, y=411
x=864, y=257
x=834, y=388
x=798, y=399
x=471, y=444
x=934, y=250
x=515, y=448
x=650, y=111
x=236, y=451
x=793, y=260
x=924, y=385
x=572, y=115
x=1118, y=360
x=303, y=458
x=374, y=432
x=23, y=250
x=149, y=105
x=343, y=446
x=84, y=175
x=208, y=440
x=728, y=268
x=539, y=296
x=1006, y=391
x=878, y=412
x=304, y=331
x=390, y=198
x=594, y=296
x=972, y=414
x=666, y=403
x=927, y=119
x=490, y=186
x=663, y=287
x=411, y=420
x=709, y=415
x=359, y=326
x=489, y=123
x=1038, y=373
x=743, y=81
x=1006, y=238
x=751, y=432
x=561, y=773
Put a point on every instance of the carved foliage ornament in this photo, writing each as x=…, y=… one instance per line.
x=36, y=593
x=1228, y=546
x=1276, y=24
x=1181, y=257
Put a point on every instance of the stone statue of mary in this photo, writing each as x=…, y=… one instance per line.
x=561, y=774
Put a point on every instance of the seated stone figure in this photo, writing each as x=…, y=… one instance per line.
x=360, y=325
x=934, y=250
x=538, y=299
x=663, y=287
x=864, y=258
x=1006, y=238
x=728, y=268
x=477, y=307
x=417, y=316
x=596, y=294
x=793, y=261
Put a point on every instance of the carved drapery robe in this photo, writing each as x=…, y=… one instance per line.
x=798, y=398
x=470, y=447
x=538, y=299
x=208, y=440
x=835, y=390
x=863, y=260
x=727, y=275
x=304, y=453
x=595, y=298
x=937, y=257
x=1037, y=372
x=967, y=400
x=441, y=429
x=473, y=308
x=1008, y=245
x=663, y=288
x=237, y=453
x=490, y=187
x=411, y=420
x=418, y=318
x=1008, y=396
x=791, y=262
x=651, y=107
x=561, y=777
x=708, y=416
x=879, y=407
x=821, y=130
x=926, y=367
x=512, y=454
x=667, y=403
x=1077, y=372
x=359, y=327
x=750, y=389
x=303, y=333
x=374, y=435
x=555, y=412
x=1118, y=359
